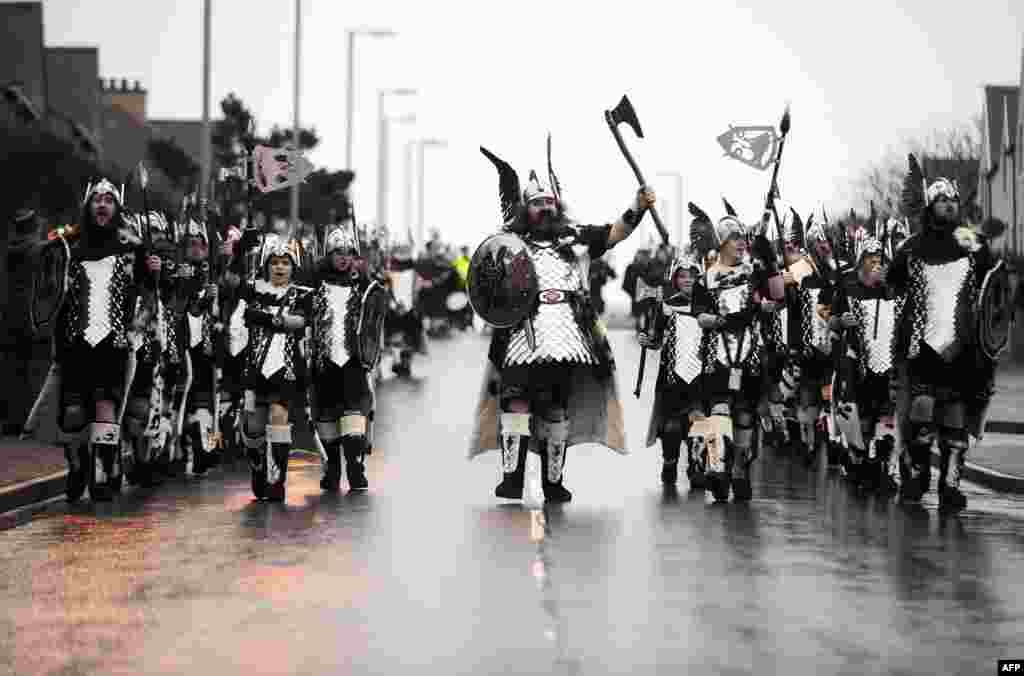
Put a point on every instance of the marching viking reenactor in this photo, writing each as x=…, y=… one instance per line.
x=275, y=314
x=727, y=307
x=864, y=311
x=551, y=370
x=678, y=398
x=348, y=311
x=91, y=341
x=404, y=320
x=149, y=415
x=951, y=329
x=200, y=293
x=812, y=269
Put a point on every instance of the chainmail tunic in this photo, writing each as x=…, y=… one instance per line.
x=284, y=352
x=336, y=309
x=98, y=300
x=733, y=293
x=876, y=355
x=559, y=336
x=681, y=349
x=939, y=302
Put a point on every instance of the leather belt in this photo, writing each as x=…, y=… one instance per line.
x=554, y=296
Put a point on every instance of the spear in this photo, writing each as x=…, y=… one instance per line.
x=773, y=190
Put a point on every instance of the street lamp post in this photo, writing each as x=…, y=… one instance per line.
x=410, y=147
x=350, y=90
x=294, y=211
x=421, y=225
x=382, y=151
x=205, y=151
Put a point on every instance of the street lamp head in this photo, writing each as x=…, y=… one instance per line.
x=434, y=142
x=380, y=32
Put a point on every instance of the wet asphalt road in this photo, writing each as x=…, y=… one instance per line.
x=428, y=573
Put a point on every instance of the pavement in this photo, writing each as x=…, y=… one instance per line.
x=429, y=573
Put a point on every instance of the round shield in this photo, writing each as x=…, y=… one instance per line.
x=49, y=280
x=369, y=338
x=995, y=311
x=502, y=280
x=456, y=301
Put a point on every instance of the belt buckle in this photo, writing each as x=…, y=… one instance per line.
x=552, y=296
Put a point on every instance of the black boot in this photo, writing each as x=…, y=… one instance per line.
x=950, y=496
x=257, y=457
x=200, y=457
x=671, y=445
x=104, y=478
x=279, y=439
x=331, y=480
x=741, y=488
x=77, y=455
x=553, y=460
x=695, y=464
x=914, y=476
x=513, y=466
x=670, y=472
x=355, y=465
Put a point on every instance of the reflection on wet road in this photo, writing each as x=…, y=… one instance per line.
x=427, y=573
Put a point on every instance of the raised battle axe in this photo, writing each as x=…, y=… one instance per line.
x=624, y=112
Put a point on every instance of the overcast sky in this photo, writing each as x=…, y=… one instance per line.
x=861, y=76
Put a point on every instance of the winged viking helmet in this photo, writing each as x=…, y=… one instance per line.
x=280, y=245
x=103, y=186
x=512, y=199
x=342, y=237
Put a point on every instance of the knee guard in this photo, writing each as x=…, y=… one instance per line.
x=514, y=431
x=922, y=409
x=329, y=431
x=73, y=420
x=352, y=424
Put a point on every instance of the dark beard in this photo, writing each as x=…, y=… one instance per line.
x=549, y=227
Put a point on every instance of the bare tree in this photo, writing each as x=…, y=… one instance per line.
x=954, y=152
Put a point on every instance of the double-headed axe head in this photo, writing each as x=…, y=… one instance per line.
x=624, y=113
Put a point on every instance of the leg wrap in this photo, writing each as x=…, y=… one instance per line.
x=514, y=428
x=671, y=439
x=105, y=439
x=279, y=445
x=202, y=422
x=953, y=444
x=557, y=438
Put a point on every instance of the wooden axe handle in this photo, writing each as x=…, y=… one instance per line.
x=636, y=170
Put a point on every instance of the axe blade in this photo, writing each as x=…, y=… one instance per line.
x=624, y=112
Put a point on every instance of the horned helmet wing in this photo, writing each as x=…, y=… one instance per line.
x=508, y=187
x=913, y=197
x=702, y=232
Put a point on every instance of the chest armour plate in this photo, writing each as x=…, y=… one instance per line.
x=332, y=327
x=877, y=357
x=238, y=332
x=96, y=294
x=815, y=329
x=943, y=285
x=732, y=294
x=559, y=336
x=685, y=334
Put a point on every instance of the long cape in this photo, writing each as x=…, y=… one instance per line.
x=595, y=412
